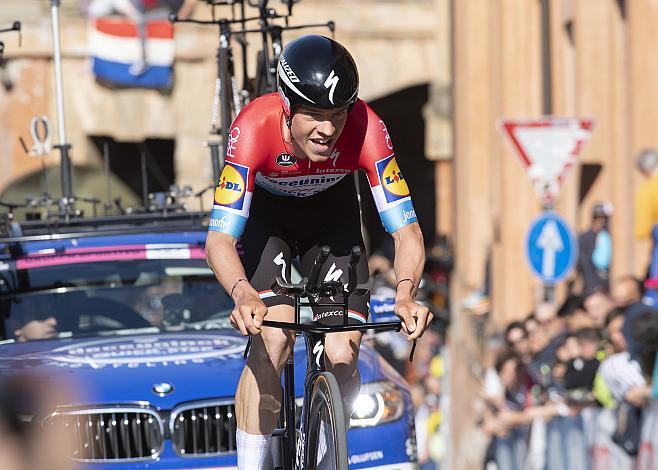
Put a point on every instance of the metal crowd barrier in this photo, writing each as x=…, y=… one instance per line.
x=582, y=442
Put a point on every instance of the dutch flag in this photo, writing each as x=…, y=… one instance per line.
x=118, y=56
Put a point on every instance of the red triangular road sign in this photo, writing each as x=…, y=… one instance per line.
x=547, y=147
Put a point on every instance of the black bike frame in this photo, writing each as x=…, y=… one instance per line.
x=314, y=340
x=315, y=365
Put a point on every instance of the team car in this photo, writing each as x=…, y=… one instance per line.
x=124, y=318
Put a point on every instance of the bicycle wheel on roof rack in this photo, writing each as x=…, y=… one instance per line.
x=327, y=431
x=261, y=86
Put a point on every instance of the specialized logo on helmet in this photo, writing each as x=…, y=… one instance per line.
x=331, y=82
x=391, y=178
x=232, y=186
x=288, y=77
x=288, y=70
x=285, y=159
x=284, y=101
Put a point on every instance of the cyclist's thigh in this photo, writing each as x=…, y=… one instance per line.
x=274, y=344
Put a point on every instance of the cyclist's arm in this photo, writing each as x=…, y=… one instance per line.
x=409, y=259
x=393, y=200
x=228, y=219
x=222, y=257
x=224, y=261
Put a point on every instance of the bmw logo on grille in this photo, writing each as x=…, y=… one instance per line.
x=163, y=389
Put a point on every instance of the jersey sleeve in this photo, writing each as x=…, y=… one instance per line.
x=235, y=185
x=387, y=183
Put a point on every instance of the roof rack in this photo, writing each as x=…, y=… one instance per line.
x=60, y=229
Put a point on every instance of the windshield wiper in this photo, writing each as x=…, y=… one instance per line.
x=210, y=324
x=129, y=331
x=66, y=288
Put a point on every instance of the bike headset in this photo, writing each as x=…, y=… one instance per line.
x=318, y=72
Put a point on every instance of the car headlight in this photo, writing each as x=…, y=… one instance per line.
x=377, y=403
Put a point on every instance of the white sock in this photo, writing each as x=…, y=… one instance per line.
x=253, y=451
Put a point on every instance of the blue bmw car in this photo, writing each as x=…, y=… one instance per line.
x=128, y=317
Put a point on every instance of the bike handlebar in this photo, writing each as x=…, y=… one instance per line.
x=312, y=284
x=351, y=268
x=173, y=18
x=16, y=26
x=328, y=288
x=324, y=329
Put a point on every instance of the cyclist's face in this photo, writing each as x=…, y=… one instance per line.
x=315, y=131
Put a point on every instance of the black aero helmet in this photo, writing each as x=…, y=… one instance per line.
x=318, y=72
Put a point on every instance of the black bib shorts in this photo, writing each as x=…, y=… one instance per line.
x=283, y=227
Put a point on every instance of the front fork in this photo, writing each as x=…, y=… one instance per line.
x=315, y=365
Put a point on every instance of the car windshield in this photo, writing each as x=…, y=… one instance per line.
x=111, y=298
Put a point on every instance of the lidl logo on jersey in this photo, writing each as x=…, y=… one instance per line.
x=232, y=186
x=394, y=185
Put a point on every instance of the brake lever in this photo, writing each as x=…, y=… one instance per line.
x=248, y=347
x=411, y=354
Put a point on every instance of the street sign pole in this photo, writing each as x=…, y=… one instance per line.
x=549, y=289
x=550, y=245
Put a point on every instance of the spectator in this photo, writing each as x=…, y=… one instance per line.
x=645, y=224
x=598, y=304
x=613, y=325
x=581, y=370
x=516, y=338
x=530, y=324
x=595, y=251
x=645, y=333
x=632, y=312
x=509, y=421
x=646, y=196
x=574, y=313
x=621, y=372
x=544, y=342
x=566, y=351
x=423, y=411
x=626, y=290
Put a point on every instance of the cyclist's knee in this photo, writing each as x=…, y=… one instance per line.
x=342, y=348
x=341, y=356
x=273, y=345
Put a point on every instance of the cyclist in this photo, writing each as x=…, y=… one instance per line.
x=289, y=160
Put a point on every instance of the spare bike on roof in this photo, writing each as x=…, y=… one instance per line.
x=228, y=97
x=16, y=26
x=319, y=438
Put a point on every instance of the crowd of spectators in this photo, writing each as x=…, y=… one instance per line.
x=593, y=351
x=596, y=350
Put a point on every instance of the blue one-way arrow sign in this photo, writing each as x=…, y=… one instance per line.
x=551, y=248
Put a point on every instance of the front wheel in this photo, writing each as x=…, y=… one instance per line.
x=327, y=431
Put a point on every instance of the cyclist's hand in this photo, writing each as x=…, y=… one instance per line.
x=248, y=314
x=415, y=317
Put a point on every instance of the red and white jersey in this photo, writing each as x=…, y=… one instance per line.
x=257, y=154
